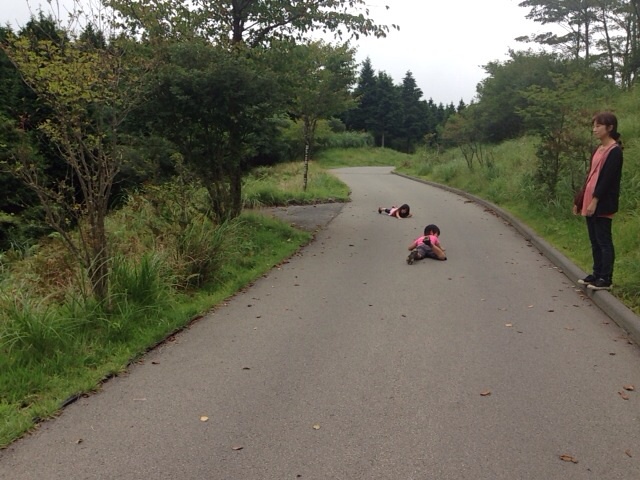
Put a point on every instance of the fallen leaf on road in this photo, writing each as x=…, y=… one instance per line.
x=155, y=363
x=569, y=328
x=316, y=427
x=485, y=393
x=568, y=458
x=204, y=419
x=530, y=306
x=629, y=388
x=80, y=441
x=508, y=324
x=623, y=395
x=628, y=453
x=550, y=310
x=237, y=447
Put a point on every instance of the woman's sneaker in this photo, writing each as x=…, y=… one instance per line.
x=588, y=280
x=600, y=284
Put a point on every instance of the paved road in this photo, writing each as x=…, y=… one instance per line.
x=346, y=363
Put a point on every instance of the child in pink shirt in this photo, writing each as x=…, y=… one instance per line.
x=427, y=246
x=403, y=211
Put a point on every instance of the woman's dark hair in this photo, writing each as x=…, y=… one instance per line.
x=431, y=228
x=608, y=119
x=403, y=211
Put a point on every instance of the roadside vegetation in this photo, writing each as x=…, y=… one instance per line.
x=170, y=265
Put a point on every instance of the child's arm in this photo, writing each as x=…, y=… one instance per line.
x=439, y=251
x=413, y=245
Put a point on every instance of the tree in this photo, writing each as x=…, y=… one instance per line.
x=89, y=91
x=362, y=116
x=576, y=17
x=561, y=117
x=500, y=93
x=323, y=77
x=414, y=118
x=210, y=103
x=387, y=116
x=242, y=26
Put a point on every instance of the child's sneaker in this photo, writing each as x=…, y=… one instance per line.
x=600, y=284
x=412, y=257
x=589, y=279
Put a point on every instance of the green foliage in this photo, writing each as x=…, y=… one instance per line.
x=282, y=185
x=55, y=346
x=350, y=157
x=501, y=93
x=560, y=115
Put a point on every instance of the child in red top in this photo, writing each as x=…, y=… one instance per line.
x=403, y=211
x=427, y=246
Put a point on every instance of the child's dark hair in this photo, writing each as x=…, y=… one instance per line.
x=608, y=119
x=403, y=210
x=431, y=229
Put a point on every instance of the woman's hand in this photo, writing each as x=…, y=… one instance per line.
x=591, y=208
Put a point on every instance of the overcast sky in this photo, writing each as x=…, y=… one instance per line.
x=443, y=43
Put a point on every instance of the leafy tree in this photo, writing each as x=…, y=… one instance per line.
x=464, y=130
x=324, y=75
x=249, y=24
x=575, y=17
x=88, y=91
x=561, y=116
x=210, y=103
x=500, y=94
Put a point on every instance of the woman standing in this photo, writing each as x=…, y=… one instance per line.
x=600, y=199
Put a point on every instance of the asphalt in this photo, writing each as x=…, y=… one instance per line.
x=344, y=362
x=314, y=217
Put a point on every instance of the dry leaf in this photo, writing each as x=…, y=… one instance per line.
x=629, y=388
x=623, y=395
x=530, y=306
x=569, y=328
x=80, y=441
x=508, y=324
x=204, y=418
x=568, y=458
x=155, y=363
x=485, y=393
x=628, y=453
x=316, y=427
x=237, y=447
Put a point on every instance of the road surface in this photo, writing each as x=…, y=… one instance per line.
x=347, y=363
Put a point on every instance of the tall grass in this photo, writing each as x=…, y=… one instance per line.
x=169, y=263
x=349, y=157
x=283, y=184
x=508, y=181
